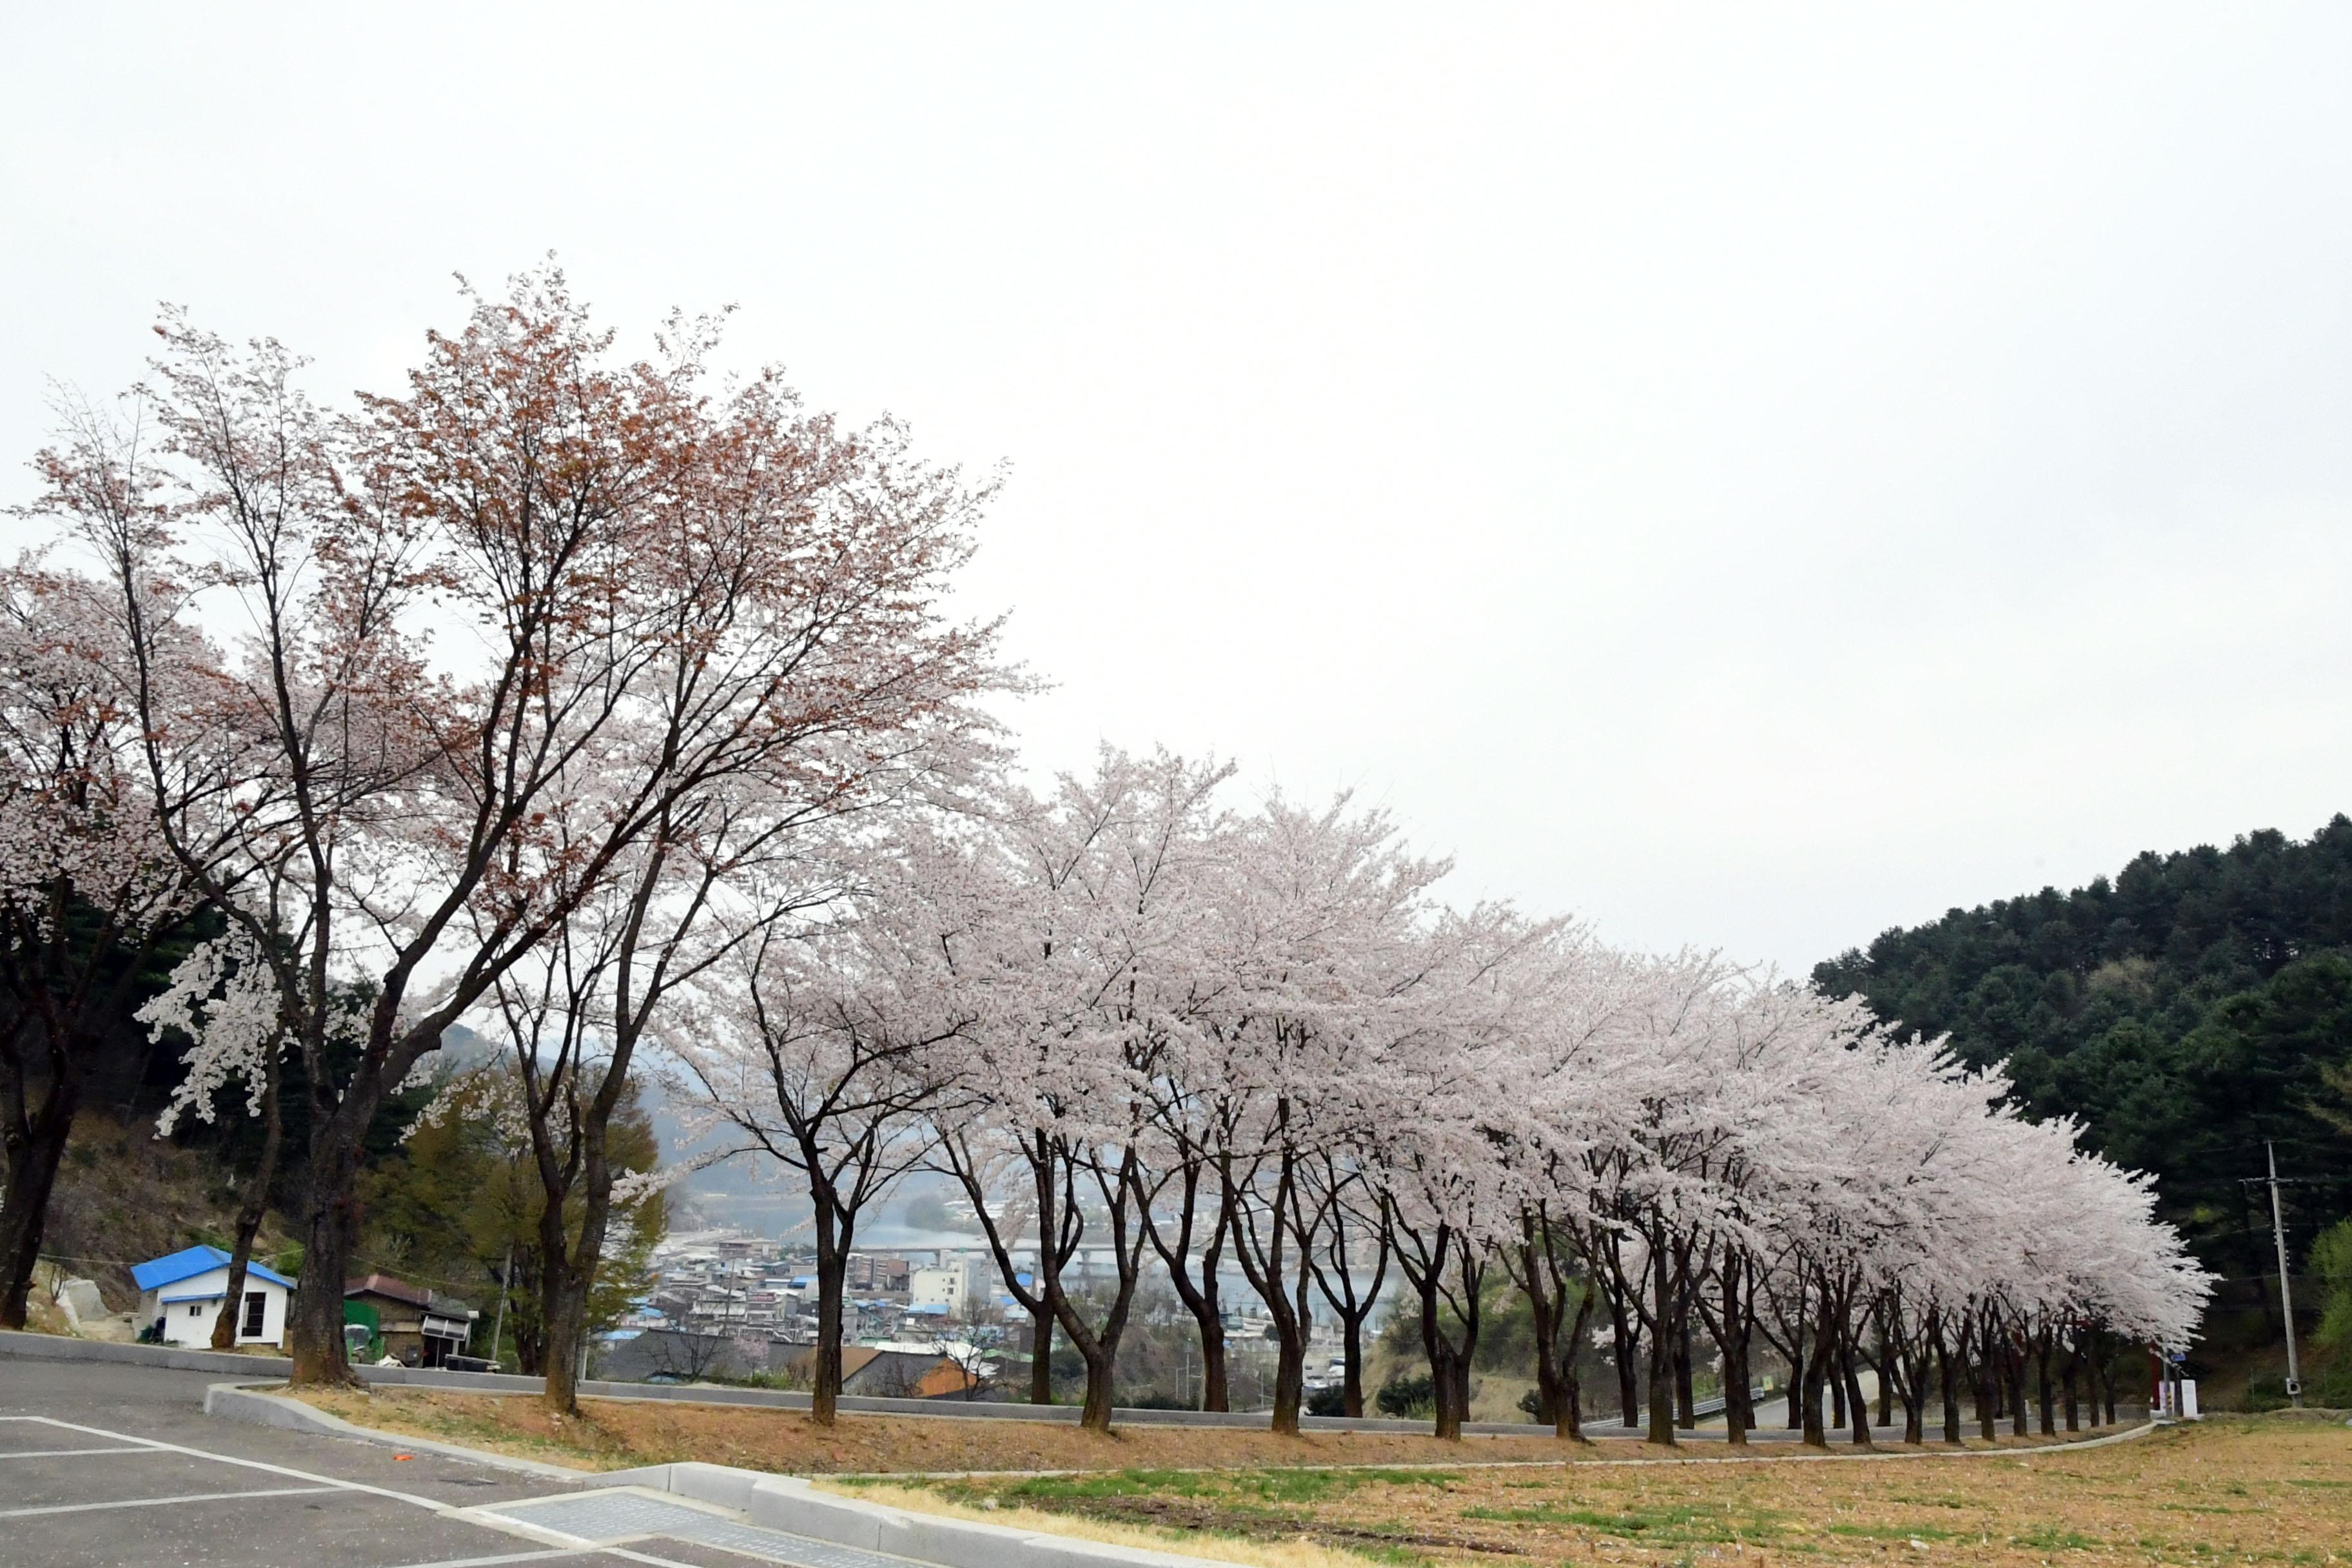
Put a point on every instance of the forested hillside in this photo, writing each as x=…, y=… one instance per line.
x=2192, y=1006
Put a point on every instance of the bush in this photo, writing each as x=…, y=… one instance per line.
x=2266, y=1393
x=1332, y=1401
x=1407, y=1398
x=2331, y=1262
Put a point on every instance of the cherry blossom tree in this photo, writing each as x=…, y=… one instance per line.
x=89, y=895
x=1321, y=912
x=816, y=1042
x=540, y=587
x=223, y=998
x=1091, y=976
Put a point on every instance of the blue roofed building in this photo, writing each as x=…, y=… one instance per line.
x=180, y=1296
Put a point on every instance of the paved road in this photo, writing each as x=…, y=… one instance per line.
x=107, y=1466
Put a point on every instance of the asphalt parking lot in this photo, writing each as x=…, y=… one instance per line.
x=107, y=1466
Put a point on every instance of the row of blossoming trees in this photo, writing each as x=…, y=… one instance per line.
x=611, y=709
x=1161, y=1027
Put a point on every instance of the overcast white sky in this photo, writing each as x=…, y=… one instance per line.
x=1751, y=475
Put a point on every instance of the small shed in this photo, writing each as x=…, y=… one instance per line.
x=417, y=1326
x=180, y=1297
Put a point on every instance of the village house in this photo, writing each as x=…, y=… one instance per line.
x=416, y=1326
x=179, y=1298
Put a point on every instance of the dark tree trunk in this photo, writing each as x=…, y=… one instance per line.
x=1730, y=1321
x=2045, y=1393
x=251, y=1211
x=1200, y=1296
x=568, y=1273
x=1266, y=1263
x=1351, y=1369
x=1625, y=1337
x=1349, y=1304
x=1441, y=1383
x=1041, y=1354
x=1626, y=1347
x=1856, y=1406
x=1545, y=1281
x=329, y=1219
x=1097, y=1343
x=1988, y=1382
x=1739, y=1397
x=1818, y=1368
x=1289, y=1374
x=2073, y=1389
x=35, y=1144
x=1449, y=1361
x=1946, y=1380
x=1686, y=1395
x=1567, y=1387
x=2021, y=1420
x=564, y=1304
x=833, y=1243
x=1094, y=1416
x=1661, y=1348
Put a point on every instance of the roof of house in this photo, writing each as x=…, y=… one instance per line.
x=186, y=1264
x=392, y=1289
x=435, y=1302
x=891, y=1373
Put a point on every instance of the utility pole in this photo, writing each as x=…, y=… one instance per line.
x=2287, y=1291
x=499, y=1331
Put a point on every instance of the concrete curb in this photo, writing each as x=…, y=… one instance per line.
x=56, y=1347
x=792, y=1505
x=252, y=1405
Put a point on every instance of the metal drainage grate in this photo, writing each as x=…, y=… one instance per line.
x=607, y=1517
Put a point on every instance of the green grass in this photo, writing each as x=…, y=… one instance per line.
x=1893, y=1531
x=2050, y=1538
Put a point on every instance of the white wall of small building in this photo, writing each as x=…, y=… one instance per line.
x=191, y=1322
x=945, y=1285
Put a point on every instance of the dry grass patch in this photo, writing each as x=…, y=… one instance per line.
x=616, y=1434
x=2236, y=1491
x=1228, y=1549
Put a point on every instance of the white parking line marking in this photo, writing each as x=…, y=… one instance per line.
x=160, y=1501
x=509, y=1557
x=68, y=1453
x=564, y=1545
x=329, y=1483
